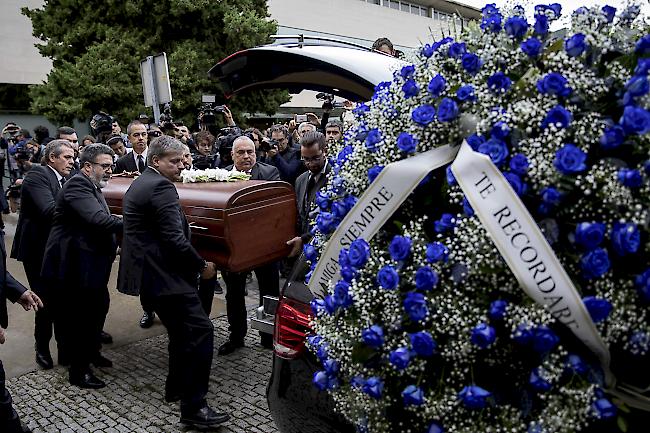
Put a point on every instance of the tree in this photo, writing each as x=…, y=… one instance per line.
x=96, y=47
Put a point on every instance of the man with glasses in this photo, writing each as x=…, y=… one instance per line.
x=77, y=264
x=313, y=151
x=137, y=159
x=282, y=156
x=39, y=191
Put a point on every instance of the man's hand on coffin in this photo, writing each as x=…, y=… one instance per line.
x=296, y=246
x=209, y=272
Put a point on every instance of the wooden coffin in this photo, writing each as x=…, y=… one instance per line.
x=237, y=225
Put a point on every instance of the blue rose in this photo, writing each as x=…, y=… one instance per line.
x=373, y=336
x=471, y=63
x=500, y=130
x=466, y=93
x=523, y=334
x=475, y=141
x=554, y=84
x=447, y=110
x=373, y=387
x=630, y=177
x=642, y=66
x=426, y=278
x=341, y=295
x=400, y=358
x=519, y=164
x=544, y=340
x=350, y=201
x=590, y=235
x=361, y=109
x=413, y=396
x=575, y=45
x=499, y=83
x=437, y=252
x=325, y=222
x=406, y=142
x=359, y=253
x=343, y=155
x=373, y=138
x=400, y=248
x=330, y=304
x=612, y=137
x=537, y=382
x=423, y=115
x=551, y=197
x=437, y=85
x=570, y=159
x=324, y=381
x=415, y=305
x=410, y=88
x=474, y=397
x=626, y=238
x=598, y=308
x=637, y=86
x=642, y=284
x=635, y=120
x=456, y=50
x=387, y=277
x=348, y=273
x=497, y=150
x=558, y=116
x=576, y=365
x=332, y=367
x=595, y=263
x=643, y=46
x=532, y=47
x=467, y=207
x=604, y=409
x=423, y=344
x=407, y=71
x=322, y=200
x=483, y=335
x=498, y=309
x=446, y=222
x=441, y=42
x=317, y=306
x=339, y=209
x=516, y=183
x=435, y=428
x=516, y=27
x=373, y=172
x=310, y=252
x=492, y=23
x=323, y=352
x=426, y=51
x=609, y=13
x=357, y=381
x=541, y=24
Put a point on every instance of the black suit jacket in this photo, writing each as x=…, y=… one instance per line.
x=126, y=163
x=81, y=247
x=301, y=197
x=9, y=287
x=38, y=200
x=157, y=257
x=261, y=171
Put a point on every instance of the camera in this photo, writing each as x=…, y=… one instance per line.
x=166, y=119
x=202, y=162
x=301, y=118
x=208, y=110
x=267, y=145
x=328, y=101
x=24, y=154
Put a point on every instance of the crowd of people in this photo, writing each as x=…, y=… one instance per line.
x=66, y=238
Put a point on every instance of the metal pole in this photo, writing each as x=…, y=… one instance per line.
x=154, y=92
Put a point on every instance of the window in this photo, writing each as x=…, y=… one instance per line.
x=394, y=4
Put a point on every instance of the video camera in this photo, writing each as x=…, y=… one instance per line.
x=328, y=101
x=268, y=144
x=166, y=119
x=207, y=113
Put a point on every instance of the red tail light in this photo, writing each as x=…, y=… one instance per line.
x=291, y=327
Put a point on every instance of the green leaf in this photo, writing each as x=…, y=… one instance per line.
x=621, y=423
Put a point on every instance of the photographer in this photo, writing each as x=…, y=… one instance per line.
x=280, y=155
x=204, y=156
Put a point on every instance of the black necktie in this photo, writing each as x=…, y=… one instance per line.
x=62, y=181
x=141, y=166
x=308, y=193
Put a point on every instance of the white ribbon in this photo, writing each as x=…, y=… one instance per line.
x=382, y=198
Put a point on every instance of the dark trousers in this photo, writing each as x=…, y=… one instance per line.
x=44, y=317
x=206, y=295
x=191, y=337
x=268, y=278
x=9, y=419
x=80, y=314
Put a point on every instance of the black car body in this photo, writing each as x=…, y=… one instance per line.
x=350, y=72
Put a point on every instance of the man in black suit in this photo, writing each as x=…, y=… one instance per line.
x=137, y=159
x=15, y=292
x=313, y=152
x=159, y=263
x=38, y=199
x=268, y=276
x=70, y=135
x=77, y=263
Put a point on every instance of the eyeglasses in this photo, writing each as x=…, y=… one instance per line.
x=104, y=166
x=310, y=159
x=154, y=133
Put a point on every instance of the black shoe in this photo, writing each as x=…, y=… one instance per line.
x=204, y=417
x=266, y=340
x=172, y=396
x=106, y=338
x=147, y=320
x=44, y=359
x=229, y=347
x=101, y=361
x=63, y=359
x=86, y=380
